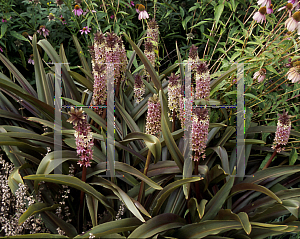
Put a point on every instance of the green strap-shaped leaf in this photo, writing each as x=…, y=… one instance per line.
x=151, y=141
x=121, y=194
x=20, y=78
x=14, y=179
x=195, y=208
x=87, y=83
x=241, y=217
x=217, y=81
x=217, y=201
x=107, y=228
x=165, y=193
x=72, y=182
x=80, y=54
x=43, y=87
x=68, y=82
x=92, y=204
x=160, y=223
x=251, y=186
x=36, y=208
x=203, y=229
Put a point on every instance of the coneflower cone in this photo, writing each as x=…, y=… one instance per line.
x=174, y=92
x=83, y=135
x=139, y=88
x=153, y=120
x=200, y=124
x=283, y=131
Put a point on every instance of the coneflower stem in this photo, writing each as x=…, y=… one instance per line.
x=270, y=159
x=83, y=178
x=141, y=192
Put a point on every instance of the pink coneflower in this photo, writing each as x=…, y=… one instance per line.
x=292, y=23
x=132, y=3
x=260, y=16
x=142, y=12
x=59, y=2
x=43, y=31
x=294, y=74
x=77, y=10
x=63, y=21
x=260, y=75
x=283, y=131
x=263, y=3
x=289, y=7
x=83, y=135
x=295, y=3
x=200, y=124
x=85, y=30
x=153, y=125
x=30, y=60
x=270, y=9
x=51, y=17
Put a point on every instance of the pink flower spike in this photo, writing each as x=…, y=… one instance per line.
x=77, y=10
x=85, y=30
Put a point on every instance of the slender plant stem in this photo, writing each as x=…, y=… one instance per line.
x=270, y=159
x=141, y=192
x=83, y=178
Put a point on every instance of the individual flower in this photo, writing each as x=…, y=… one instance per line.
x=132, y=3
x=200, y=124
x=270, y=9
x=295, y=4
x=260, y=75
x=289, y=7
x=83, y=136
x=1, y=49
x=51, y=16
x=30, y=60
x=174, y=91
x=202, y=79
x=85, y=30
x=43, y=31
x=139, y=88
x=26, y=35
x=77, y=10
x=153, y=120
x=283, y=131
x=260, y=16
x=18, y=43
x=63, y=21
x=292, y=22
x=142, y=12
x=112, y=16
x=4, y=19
x=294, y=74
x=59, y=2
x=263, y=3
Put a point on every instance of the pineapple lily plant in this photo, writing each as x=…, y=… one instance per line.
x=148, y=189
